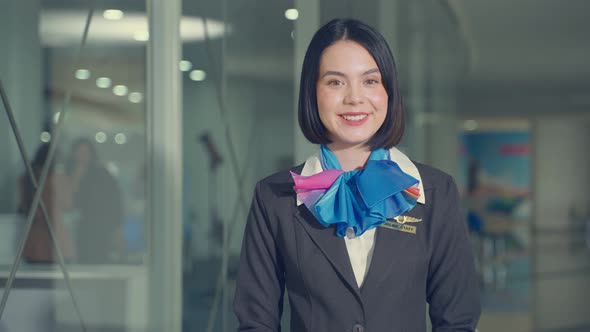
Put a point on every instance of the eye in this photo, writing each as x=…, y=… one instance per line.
x=372, y=81
x=335, y=82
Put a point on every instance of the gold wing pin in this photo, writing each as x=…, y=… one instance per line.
x=405, y=219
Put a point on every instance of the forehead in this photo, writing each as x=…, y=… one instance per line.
x=346, y=54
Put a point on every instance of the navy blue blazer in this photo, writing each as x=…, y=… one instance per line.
x=284, y=246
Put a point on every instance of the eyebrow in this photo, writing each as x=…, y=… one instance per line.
x=337, y=73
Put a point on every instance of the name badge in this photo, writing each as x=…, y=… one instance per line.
x=399, y=223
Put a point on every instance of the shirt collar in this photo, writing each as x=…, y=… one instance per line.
x=313, y=166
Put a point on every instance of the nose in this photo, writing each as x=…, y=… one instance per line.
x=354, y=95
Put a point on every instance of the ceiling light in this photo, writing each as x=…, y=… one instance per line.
x=100, y=137
x=141, y=35
x=62, y=27
x=185, y=65
x=120, y=138
x=82, y=74
x=198, y=75
x=103, y=82
x=112, y=14
x=135, y=97
x=45, y=137
x=291, y=14
x=120, y=90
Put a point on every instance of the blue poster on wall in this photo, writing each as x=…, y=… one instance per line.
x=496, y=177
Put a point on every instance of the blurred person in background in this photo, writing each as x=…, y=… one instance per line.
x=56, y=196
x=98, y=202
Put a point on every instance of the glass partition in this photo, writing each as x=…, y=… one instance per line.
x=73, y=190
x=238, y=127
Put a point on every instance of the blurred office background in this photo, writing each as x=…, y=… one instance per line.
x=147, y=125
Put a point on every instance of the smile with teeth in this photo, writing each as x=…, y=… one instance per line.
x=354, y=117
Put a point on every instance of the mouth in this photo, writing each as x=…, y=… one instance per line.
x=354, y=119
x=358, y=117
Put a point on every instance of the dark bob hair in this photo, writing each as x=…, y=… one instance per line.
x=392, y=130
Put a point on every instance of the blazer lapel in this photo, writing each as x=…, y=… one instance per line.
x=333, y=247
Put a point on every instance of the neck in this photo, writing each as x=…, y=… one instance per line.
x=351, y=158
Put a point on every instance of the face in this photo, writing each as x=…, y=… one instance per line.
x=352, y=101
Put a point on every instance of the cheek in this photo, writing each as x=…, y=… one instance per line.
x=379, y=99
x=326, y=101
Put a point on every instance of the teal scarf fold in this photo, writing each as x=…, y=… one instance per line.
x=360, y=199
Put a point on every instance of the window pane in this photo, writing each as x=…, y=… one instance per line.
x=85, y=95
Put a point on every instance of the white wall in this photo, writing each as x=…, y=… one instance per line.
x=561, y=178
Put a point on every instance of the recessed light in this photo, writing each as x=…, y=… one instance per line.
x=198, y=75
x=120, y=90
x=103, y=82
x=100, y=137
x=45, y=137
x=291, y=14
x=113, y=14
x=141, y=35
x=185, y=65
x=120, y=138
x=135, y=97
x=82, y=74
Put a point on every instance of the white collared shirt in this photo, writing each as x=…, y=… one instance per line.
x=360, y=248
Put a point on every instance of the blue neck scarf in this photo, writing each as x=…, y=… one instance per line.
x=363, y=199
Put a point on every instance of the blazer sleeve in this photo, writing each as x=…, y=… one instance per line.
x=258, y=302
x=453, y=288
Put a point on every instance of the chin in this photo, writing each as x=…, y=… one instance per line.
x=350, y=143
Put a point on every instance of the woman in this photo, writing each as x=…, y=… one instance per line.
x=99, y=201
x=361, y=237
x=56, y=197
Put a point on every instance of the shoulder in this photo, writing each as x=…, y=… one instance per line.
x=443, y=202
x=440, y=189
x=433, y=178
x=274, y=198
x=279, y=184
